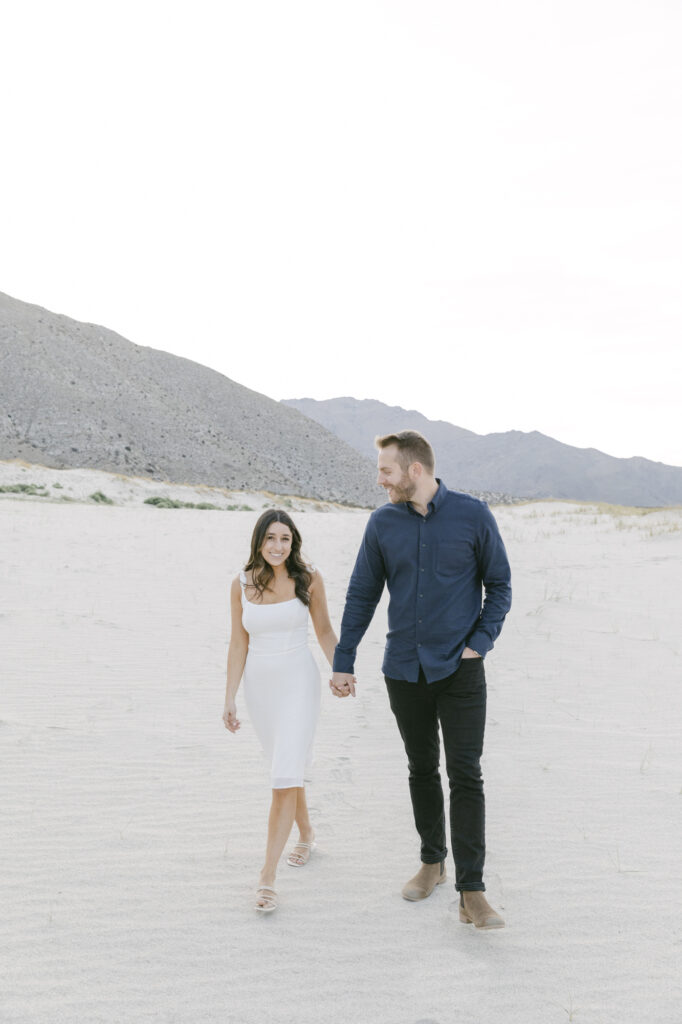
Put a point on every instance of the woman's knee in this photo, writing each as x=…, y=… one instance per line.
x=282, y=795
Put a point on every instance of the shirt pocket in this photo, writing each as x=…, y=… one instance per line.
x=454, y=558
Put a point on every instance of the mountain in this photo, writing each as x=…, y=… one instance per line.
x=78, y=395
x=529, y=465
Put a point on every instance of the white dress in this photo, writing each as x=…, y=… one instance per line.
x=281, y=686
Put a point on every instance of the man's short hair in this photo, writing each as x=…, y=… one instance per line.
x=412, y=447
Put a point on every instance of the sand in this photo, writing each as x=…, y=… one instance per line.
x=133, y=823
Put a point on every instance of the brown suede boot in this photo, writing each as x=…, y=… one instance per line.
x=424, y=882
x=475, y=909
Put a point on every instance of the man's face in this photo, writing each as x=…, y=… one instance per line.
x=391, y=476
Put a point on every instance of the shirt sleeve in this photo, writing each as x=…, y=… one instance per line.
x=496, y=577
x=363, y=594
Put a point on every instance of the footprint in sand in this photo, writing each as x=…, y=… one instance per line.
x=342, y=771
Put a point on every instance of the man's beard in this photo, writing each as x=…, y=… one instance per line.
x=404, y=490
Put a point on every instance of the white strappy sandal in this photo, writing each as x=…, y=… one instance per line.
x=299, y=860
x=268, y=896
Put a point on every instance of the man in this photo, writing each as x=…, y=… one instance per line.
x=434, y=548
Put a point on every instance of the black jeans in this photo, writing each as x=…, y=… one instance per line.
x=458, y=703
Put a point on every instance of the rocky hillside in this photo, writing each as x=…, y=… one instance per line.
x=528, y=465
x=79, y=395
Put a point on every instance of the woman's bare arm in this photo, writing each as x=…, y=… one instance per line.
x=236, y=657
x=319, y=613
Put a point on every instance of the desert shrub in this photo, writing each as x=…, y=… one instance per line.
x=163, y=503
x=172, y=503
x=100, y=499
x=35, y=489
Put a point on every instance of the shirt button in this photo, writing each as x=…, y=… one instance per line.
x=418, y=620
x=418, y=645
x=421, y=595
x=421, y=570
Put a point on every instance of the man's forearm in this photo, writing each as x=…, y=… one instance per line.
x=489, y=626
x=356, y=619
x=364, y=590
x=344, y=660
x=496, y=578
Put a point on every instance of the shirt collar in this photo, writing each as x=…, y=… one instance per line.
x=439, y=496
x=436, y=501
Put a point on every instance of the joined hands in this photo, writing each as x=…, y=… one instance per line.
x=342, y=684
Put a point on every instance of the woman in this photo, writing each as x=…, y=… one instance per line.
x=270, y=601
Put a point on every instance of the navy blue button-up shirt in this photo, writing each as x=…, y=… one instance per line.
x=436, y=567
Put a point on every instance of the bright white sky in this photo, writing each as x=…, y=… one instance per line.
x=472, y=209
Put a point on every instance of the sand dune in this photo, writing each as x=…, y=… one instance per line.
x=133, y=824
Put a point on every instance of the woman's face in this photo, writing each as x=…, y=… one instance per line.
x=276, y=546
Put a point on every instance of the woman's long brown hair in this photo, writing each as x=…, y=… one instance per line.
x=262, y=573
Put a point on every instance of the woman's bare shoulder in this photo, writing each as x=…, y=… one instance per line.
x=239, y=580
x=315, y=577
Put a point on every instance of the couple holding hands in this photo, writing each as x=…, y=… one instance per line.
x=441, y=556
